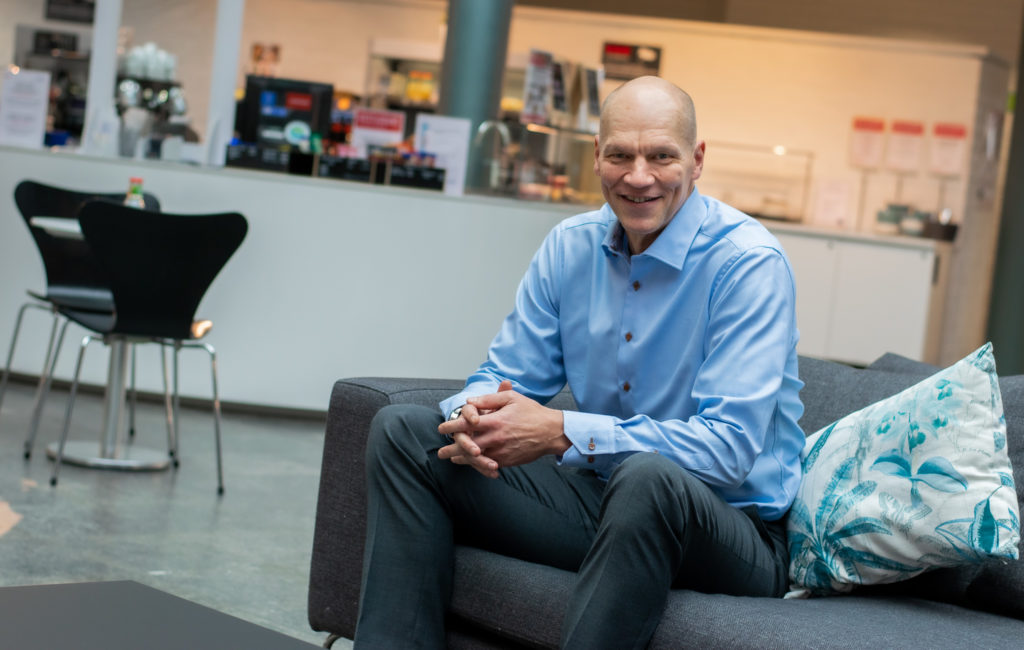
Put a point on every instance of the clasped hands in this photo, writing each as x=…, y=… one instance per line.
x=502, y=429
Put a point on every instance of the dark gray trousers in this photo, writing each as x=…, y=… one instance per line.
x=651, y=527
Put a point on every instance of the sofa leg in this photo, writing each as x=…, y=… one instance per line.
x=331, y=638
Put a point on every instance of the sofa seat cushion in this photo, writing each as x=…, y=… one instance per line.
x=525, y=602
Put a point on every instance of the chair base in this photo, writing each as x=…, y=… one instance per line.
x=87, y=454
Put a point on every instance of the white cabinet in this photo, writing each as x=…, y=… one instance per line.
x=813, y=262
x=859, y=297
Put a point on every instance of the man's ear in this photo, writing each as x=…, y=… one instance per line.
x=597, y=155
x=698, y=159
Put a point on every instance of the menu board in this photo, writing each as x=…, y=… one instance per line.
x=24, y=101
x=625, y=61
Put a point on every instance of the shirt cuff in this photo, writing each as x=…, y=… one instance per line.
x=459, y=399
x=592, y=438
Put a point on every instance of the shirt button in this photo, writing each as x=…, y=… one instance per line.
x=590, y=459
x=626, y=387
x=629, y=337
x=591, y=446
x=636, y=285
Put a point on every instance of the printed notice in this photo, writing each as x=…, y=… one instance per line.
x=374, y=127
x=832, y=203
x=906, y=142
x=24, y=101
x=448, y=139
x=537, y=89
x=867, y=142
x=948, y=149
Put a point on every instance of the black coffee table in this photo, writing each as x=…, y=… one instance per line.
x=123, y=615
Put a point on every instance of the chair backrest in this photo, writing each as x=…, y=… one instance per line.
x=68, y=262
x=159, y=265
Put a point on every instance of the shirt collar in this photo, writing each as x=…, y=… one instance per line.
x=674, y=241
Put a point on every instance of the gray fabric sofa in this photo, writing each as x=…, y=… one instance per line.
x=500, y=602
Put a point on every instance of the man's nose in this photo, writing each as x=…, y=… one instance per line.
x=639, y=174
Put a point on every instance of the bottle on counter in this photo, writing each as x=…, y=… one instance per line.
x=134, y=198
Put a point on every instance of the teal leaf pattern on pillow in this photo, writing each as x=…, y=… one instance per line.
x=917, y=481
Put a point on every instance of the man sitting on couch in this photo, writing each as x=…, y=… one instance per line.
x=671, y=317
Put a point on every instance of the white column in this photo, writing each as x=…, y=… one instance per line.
x=227, y=45
x=101, y=130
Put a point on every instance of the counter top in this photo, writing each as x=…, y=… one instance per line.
x=902, y=241
x=566, y=209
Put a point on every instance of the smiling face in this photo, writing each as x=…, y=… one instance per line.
x=647, y=157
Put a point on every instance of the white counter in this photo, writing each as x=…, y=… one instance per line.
x=335, y=279
x=339, y=279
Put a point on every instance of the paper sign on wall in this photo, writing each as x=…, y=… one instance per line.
x=832, y=203
x=369, y=126
x=24, y=101
x=448, y=139
x=948, y=149
x=537, y=89
x=905, y=144
x=867, y=142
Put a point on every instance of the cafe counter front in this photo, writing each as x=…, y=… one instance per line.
x=339, y=279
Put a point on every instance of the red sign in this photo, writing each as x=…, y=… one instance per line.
x=874, y=124
x=946, y=130
x=298, y=101
x=907, y=127
x=380, y=120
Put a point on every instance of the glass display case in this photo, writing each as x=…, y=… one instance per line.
x=527, y=161
x=765, y=182
x=539, y=163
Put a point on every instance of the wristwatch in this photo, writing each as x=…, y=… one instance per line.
x=456, y=414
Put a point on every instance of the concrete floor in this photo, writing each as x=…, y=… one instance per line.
x=245, y=553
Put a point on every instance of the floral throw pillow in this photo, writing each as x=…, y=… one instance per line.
x=917, y=481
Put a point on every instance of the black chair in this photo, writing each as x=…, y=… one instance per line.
x=73, y=278
x=158, y=268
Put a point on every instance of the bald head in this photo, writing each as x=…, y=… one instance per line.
x=647, y=92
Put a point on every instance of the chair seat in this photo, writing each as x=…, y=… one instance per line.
x=92, y=299
x=101, y=322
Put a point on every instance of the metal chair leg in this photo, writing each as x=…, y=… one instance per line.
x=177, y=400
x=14, y=342
x=133, y=401
x=216, y=404
x=71, y=405
x=43, y=391
x=172, y=417
x=216, y=415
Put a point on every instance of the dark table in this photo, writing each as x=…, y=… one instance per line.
x=123, y=616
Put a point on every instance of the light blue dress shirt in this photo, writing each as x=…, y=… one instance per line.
x=687, y=349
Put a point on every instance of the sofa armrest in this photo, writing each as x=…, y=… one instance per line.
x=338, y=539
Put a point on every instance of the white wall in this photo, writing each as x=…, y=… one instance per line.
x=767, y=87
x=330, y=40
